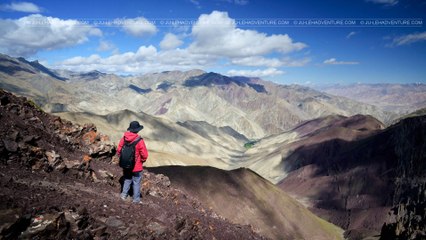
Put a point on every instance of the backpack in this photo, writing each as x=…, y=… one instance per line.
x=127, y=154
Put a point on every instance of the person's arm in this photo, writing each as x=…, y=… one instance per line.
x=143, y=151
x=120, y=145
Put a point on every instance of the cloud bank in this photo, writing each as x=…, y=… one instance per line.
x=26, y=7
x=213, y=38
x=28, y=35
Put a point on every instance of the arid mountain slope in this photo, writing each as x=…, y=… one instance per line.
x=244, y=197
x=354, y=180
x=270, y=157
x=198, y=143
x=188, y=143
x=252, y=107
x=399, y=98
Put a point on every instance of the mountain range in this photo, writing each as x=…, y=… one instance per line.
x=259, y=146
x=251, y=106
x=398, y=98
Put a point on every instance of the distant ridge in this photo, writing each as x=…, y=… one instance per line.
x=251, y=106
x=400, y=98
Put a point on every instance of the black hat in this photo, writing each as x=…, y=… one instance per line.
x=135, y=127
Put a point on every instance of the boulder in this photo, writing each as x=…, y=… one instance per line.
x=114, y=222
x=53, y=226
x=4, y=100
x=12, y=223
x=10, y=146
x=53, y=158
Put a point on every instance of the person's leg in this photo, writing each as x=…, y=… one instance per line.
x=127, y=174
x=137, y=178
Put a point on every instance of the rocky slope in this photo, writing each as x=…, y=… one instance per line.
x=58, y=180
x=252, y=107
x=272, y=157
x=353, y=176
x=257, y=201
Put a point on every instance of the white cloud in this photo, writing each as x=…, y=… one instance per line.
x=217, y=34
x=259, y=61
x=384, y=2
x=82, y=60
x=21, y=7
x=333, y=61
x=288, y=62
x=138, y=27
x=145, y=59
x=30, y=34
x=216, y=40
x=238, y=2
x=196, y=3
x=351, y=34
x=170, y=41
x=409, y=39
x=256, y=73
x=105, y=46
x=241, y=2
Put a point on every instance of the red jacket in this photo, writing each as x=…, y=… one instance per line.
x=141, y=153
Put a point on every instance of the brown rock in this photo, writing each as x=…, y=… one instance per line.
x=28, y=139
x=47, y=226
x=163, y=180
x=36, y=151
x=105, y=174
x=156, y=228
x=12, y=223
x=87, y=159
x=115, y=160
x=10, y=146
x=4, y=100
x=61, y=167
x=72, y=163
x=8, y=217
x=114, y=222
x=52, y=157
x=104, y=138
x=37, y=165
x=89, y=137
x=98, y=232
x=14, y=135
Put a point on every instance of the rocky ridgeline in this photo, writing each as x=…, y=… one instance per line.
x=408, y=216
x=407, y=219
x=42, y=141
x=60, y=180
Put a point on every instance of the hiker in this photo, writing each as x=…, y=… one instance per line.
x=132, y=146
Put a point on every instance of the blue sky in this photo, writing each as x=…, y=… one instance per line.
x=304, y=42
